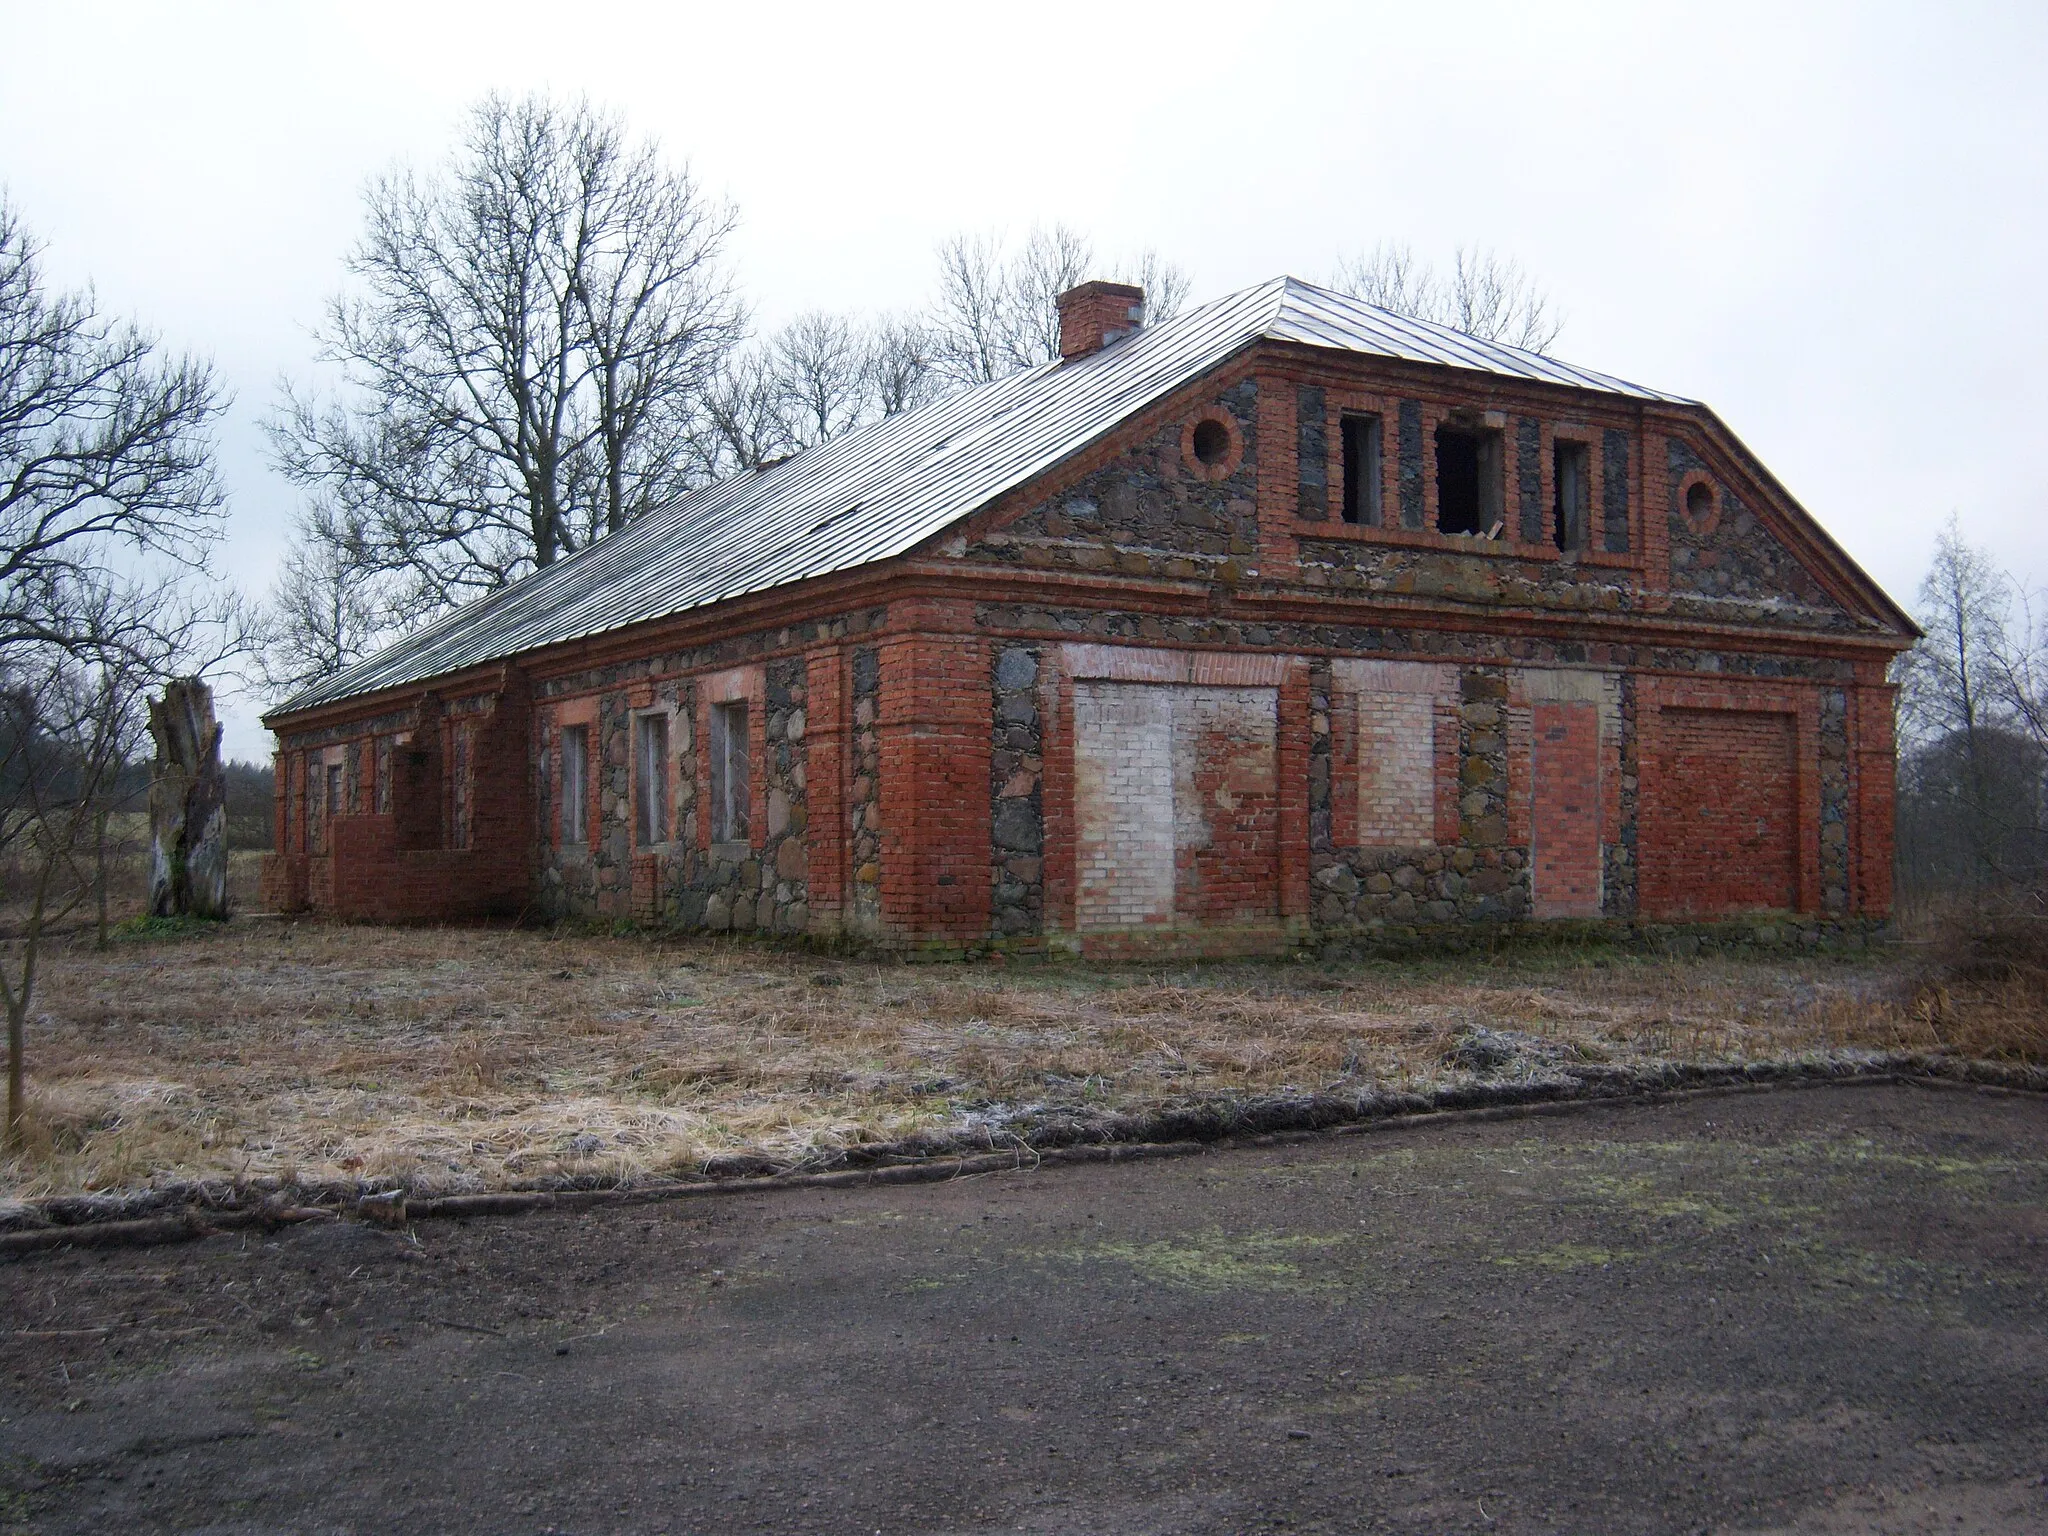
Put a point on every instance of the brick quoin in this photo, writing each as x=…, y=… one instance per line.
x=1692, y=723
x=935, y=757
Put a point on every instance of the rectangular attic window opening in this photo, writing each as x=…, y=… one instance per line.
x=1572, y=499
x=1471, y=480
x=1361, y=435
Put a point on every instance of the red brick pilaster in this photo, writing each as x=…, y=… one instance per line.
x=935, y=723
x=1875, y=764
x=1279, y=479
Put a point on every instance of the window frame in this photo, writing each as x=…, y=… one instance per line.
x=647, y=783
x=572, y=785
x=730, y=797
x=1571, y=528
x=1362, y=494
x=1510, y=418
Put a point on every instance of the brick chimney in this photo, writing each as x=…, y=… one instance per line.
x=1095, y=314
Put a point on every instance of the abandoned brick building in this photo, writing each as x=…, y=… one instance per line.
x=1287, y=621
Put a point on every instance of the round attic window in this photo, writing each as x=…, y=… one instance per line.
x=1212, y=442
x=1699, y=501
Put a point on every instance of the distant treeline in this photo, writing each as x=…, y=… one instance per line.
x=252, y=821
x=1973, y=737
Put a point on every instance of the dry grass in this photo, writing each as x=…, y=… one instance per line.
x=467, y=1060
x=1985, y=992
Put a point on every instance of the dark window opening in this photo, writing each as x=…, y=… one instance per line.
x=1699, y=501
x=1212, y=441
x=729, y=788
x=1572, y=498
x=1362, y=470
x=575, y=783
x=650, y=798
x=1471, y=490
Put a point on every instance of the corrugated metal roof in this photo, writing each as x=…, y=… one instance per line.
x=881, y=490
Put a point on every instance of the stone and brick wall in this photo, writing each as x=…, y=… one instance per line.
x=865, y=796
x=1166, y=694
x=1727, y=559
x=1151, y=510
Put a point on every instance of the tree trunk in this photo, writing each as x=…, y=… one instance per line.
x=188, y=820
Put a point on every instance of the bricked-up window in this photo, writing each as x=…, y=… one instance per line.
x=729, y=778
x=650, y=780
x=575, y=821
x=1362, y=470
x=1396, y=770
x=1471, y=483
x=334, y=789
x=1572, y=500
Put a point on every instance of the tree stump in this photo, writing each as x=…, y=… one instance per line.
x=188, y=814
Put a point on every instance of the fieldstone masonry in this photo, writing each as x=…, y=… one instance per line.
x=1016, y=795
x=864, y=802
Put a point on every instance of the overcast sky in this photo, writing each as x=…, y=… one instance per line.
x=1828, y=222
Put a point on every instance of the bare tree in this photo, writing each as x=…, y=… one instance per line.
x=1946, y=681
x=1483, y=295
x=742, y=420
x=68, y=723
x=1166, y=284
x=106, y=465
x=820, y=366
x=817, y=377
x=523, y=360
x=970, y=312
x=2019, y=664
x=902, y=370
x=109, y=504
x=1046, y=265
x=330, y=607
x=994, y=311
x=1973, y=804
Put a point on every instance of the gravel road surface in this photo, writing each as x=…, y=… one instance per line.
x=1817, y=1310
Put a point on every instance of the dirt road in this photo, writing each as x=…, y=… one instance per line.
x=1818, y=1310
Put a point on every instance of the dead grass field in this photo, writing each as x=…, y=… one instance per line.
x=466, y=1060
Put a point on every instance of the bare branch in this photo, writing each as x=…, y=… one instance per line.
x=1484, y=295
x=524, y=361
